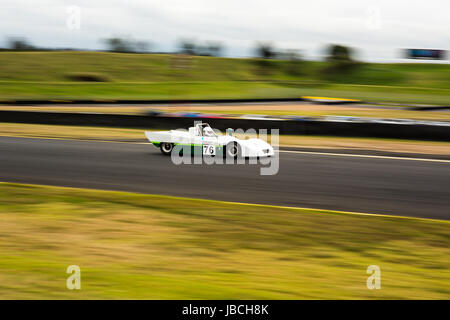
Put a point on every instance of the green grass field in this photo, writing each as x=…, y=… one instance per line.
x=45, y=75
x=155, y=247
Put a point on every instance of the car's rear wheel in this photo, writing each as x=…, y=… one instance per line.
x=232, y=150
x=166, y=148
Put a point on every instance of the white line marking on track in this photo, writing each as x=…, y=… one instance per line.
x=284, y=151
x=363, y=156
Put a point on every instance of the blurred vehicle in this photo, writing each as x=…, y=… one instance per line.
x=152, y=113
x=254, y=116
x=298, y=118
x=343, y=119
x=260, y=117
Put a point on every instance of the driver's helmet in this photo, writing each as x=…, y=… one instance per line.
x=208, y=132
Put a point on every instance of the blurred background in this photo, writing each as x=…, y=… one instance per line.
x=225, y=50
x=360, y=91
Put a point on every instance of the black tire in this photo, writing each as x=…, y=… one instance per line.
x=232, y=150
x=166, y=148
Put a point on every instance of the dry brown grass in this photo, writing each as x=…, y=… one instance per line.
x=133, y=246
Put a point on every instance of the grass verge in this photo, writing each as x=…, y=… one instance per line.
x=134, y=246
x=267, y=109
x=49, y=75
x=218, y=90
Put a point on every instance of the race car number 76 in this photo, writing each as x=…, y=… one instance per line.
x=209, y=150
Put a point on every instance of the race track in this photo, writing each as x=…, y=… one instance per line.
x=360, y=184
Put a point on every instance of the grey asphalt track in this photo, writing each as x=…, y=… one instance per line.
x=360, y=184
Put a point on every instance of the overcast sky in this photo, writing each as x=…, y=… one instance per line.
x=378, y=28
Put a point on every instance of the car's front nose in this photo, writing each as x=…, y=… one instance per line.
x=266, y=152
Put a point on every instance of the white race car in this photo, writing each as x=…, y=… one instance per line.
x=203, y=137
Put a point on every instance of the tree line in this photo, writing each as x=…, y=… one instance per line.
x=262, y=50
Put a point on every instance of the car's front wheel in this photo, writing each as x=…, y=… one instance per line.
x=166, y=148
